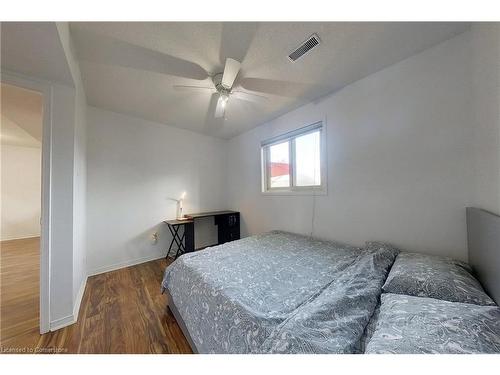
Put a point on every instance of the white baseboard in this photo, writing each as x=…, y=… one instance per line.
x=62, y=322
x=79, y=297
x=127, y=263
x=27, y=237
x=73, y=318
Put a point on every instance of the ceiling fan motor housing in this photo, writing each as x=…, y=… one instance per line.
x=221, y=89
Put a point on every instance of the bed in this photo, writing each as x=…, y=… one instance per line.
x=285, y=293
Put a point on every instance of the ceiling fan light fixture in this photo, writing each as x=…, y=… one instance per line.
x=223, y=85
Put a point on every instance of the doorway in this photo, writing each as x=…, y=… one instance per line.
x=21, y=139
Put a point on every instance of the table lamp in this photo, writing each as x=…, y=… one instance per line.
x=180, y=202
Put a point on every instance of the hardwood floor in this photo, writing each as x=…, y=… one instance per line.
x=19, y=288
x=122, y=311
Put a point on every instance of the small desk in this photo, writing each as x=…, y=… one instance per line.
x=228, y=229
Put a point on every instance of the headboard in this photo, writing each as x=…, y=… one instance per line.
x=483, y=237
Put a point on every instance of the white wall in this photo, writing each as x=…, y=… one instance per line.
x=80, y=198
x=21, y=191
x=134, y=166
x=400, y=163
x=486, y=122
x=79, y=168
x=62, y=184
x=68, y=272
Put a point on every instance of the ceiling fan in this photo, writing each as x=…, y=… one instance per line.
x=102, y=49
x=223, y=86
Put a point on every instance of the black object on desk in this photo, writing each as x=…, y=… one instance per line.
x=228, y=229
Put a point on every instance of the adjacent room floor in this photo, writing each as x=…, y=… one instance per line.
x=122, y=311
x=19, y=289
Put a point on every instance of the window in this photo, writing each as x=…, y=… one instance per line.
x=294, y=162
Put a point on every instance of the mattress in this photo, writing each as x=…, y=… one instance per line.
x=278, y=293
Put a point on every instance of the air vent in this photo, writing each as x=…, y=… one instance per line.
x=305, y=47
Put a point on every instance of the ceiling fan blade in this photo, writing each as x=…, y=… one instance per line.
x=220, y=109
x=231, y=70
x=249, y=97
x=196, y=88
x=101, y=49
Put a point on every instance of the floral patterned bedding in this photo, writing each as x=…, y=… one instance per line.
x=335, y=320
x=285, y=293
x=418, y=325
x=442, y=278
x=278, y=292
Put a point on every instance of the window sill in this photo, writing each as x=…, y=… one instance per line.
x=305, y=191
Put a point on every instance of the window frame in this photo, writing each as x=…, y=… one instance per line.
x=290, y=137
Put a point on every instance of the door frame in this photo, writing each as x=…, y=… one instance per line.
x=45, y=89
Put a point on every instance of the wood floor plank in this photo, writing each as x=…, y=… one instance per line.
x=122, y=311
x=19, y=290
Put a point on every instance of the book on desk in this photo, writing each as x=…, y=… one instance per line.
x=227, y=222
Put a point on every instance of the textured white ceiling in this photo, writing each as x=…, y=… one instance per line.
x=34, y=48
x=131, y=67
x=21, y=117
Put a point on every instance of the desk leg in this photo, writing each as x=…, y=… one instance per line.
x=172, y=232
x=189, y=237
